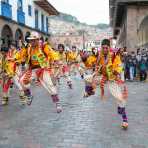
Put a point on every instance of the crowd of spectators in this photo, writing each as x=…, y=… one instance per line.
x=135, y=64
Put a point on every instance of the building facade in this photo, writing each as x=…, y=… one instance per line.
x=82, y=40
x=129, y=19
x=80, y=35
x=68, y=40
x=19, y=17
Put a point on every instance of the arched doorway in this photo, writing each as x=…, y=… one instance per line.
x=143, y=33
x=6, y=37
x=19, y=38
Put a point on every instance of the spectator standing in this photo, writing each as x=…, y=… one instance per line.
x=143, y=68
x=134, y=61
x=130, y=67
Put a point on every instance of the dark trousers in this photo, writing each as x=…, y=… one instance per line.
x=127, y=74
x=143, y=75
x=135, y=71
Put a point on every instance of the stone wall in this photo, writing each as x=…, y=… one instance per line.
x=132, y=27
x=135, y=16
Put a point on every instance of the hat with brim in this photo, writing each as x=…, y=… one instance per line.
x=34, y=36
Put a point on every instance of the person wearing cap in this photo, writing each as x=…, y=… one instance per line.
x=38, y=63
x=110, y=70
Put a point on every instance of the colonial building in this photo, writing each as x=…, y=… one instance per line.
x=19, y=17
x=129, y=19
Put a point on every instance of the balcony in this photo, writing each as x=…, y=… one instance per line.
x=20, y=17
x=6, y=10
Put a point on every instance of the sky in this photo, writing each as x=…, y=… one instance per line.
x=91, y=12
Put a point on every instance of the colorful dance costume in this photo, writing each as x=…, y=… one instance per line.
x=38, y=63
x=73, y=61
x=65, y=70
x=110, y=71
x=11, y=72
x=90, y=78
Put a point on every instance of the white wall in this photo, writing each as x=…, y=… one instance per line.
x=40, y=13
x=14, y=9
x=29, y=20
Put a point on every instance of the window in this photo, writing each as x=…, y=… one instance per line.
x=47, y=24
x=42, y=20
x=19, y=5
x=5, y=1
x=36, y=19
x=29, y=10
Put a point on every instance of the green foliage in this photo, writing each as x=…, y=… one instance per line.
x=102, y=26
x=66, y=18
x=69, y=18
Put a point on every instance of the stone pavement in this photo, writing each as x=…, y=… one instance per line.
x=84, y=123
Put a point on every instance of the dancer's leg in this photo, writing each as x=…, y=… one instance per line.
x=50, y=87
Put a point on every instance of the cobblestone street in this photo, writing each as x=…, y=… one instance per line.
x=84, y=123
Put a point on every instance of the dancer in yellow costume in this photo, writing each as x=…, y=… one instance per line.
x=65, y=70
x=73, y=60
x=90, y=64
x=38, y=63
x=54, y=61
x=11, y=65
x=110, y=69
